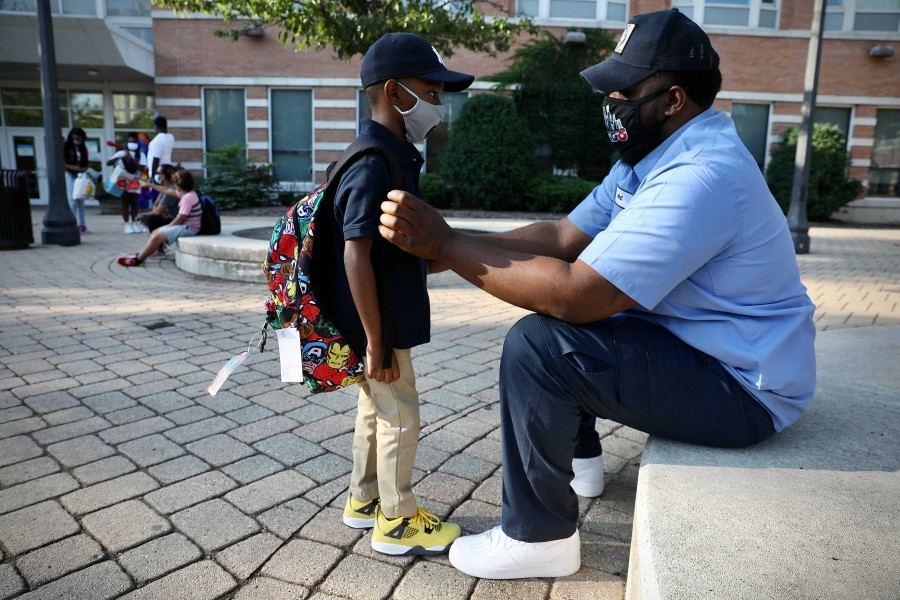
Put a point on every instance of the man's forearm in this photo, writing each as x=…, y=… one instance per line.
x=571, y=291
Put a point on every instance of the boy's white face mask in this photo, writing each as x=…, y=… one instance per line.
x=421, y=118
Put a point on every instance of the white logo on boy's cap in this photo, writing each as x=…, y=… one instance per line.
x=440, y=60
x=626, y=35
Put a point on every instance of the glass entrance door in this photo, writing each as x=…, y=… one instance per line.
x=27, y=151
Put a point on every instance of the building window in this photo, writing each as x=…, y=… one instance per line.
x=363, y=110
x=22, y=107
x=292, y=134
x=77, y=7
x=224, y=117
x=18, y=6
x=87, y=109
x=752, y=124
x=142, y=33
x=761, y=14
x=128, y=8
x=132, y=112
x=884, y=171
x=862, y=15
x=834, y=115
x=575, y=10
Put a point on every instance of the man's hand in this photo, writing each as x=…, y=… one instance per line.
x=413, y=225
x=373, y=366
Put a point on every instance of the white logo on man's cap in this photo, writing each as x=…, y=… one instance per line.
x=626, y=35
x=440, y=60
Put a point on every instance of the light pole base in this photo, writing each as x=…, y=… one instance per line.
x=801, y=242
x=60, y=234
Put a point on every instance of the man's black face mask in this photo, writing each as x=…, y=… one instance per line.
x=632, y=139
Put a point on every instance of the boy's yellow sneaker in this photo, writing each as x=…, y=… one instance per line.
x=360, y=514
x=422, y=533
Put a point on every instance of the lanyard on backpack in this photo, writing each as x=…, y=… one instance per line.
x=235, y=361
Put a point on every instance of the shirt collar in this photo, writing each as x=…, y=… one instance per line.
x=643, y=168
x=406, y=153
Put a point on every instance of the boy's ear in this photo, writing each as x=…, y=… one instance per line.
x=391, y=92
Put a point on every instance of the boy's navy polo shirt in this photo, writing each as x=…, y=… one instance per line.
x=357, y=209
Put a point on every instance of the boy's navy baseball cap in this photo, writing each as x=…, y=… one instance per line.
x=399, y=55
x=664, y=40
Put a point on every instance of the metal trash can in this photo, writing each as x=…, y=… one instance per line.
x=15, y=210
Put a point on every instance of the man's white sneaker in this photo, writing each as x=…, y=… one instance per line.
x=588, y=481
x=127, y=228
x=495, y=555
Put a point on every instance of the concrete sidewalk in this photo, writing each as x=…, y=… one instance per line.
x=121, y=477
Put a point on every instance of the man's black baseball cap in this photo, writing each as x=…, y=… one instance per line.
x=664, y=40
x=399, y=55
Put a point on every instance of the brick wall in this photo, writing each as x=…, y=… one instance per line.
x=757, y=68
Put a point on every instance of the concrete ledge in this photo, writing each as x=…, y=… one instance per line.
x=813, y=512
x=226, y=255
x=870, y=211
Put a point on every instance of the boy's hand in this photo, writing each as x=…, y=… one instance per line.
x=373, y=366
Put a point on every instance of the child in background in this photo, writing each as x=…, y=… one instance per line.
x=185, y=224
x=134, y=162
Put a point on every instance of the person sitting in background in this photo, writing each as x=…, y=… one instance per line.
x=186, y=223
x=165, y=207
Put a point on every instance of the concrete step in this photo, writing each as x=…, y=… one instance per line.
x=813, y=512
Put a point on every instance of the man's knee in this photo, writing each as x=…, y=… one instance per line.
x=524, y=336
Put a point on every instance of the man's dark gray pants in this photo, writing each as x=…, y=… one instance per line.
x=621, y=368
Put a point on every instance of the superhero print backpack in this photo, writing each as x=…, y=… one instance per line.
x=328, y=359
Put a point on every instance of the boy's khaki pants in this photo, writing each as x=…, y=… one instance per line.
x=385, y=440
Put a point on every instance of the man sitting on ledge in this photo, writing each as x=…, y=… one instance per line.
x=669, y=300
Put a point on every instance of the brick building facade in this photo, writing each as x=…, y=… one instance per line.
x=300, y=109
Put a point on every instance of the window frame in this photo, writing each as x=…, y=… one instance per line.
x=768, y=136
x=892, y=169
x=312, y=133
x=204, y=136
x=600, y=14
x=696, y=11
x=848, y=9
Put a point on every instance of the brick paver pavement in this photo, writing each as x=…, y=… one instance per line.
x=121, y=477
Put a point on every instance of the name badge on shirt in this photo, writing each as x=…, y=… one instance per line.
x=623, y=197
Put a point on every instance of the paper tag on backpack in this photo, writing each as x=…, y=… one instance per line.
x=291, y=354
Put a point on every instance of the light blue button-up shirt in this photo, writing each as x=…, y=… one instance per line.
x=694, y=236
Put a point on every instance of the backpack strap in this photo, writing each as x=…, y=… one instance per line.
x=381, y=248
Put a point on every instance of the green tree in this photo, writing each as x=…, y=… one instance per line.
x=351, y=26
x=489, y=158
x=558, y=107
x=829, y=186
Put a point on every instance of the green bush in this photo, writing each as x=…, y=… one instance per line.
x=829, y=186
x=489, y=158
x=234, y=182
x=556, y=194
x=434, y=192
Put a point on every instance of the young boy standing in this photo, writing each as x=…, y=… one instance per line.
x=403, y=77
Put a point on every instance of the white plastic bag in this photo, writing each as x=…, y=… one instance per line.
x=84, y=188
